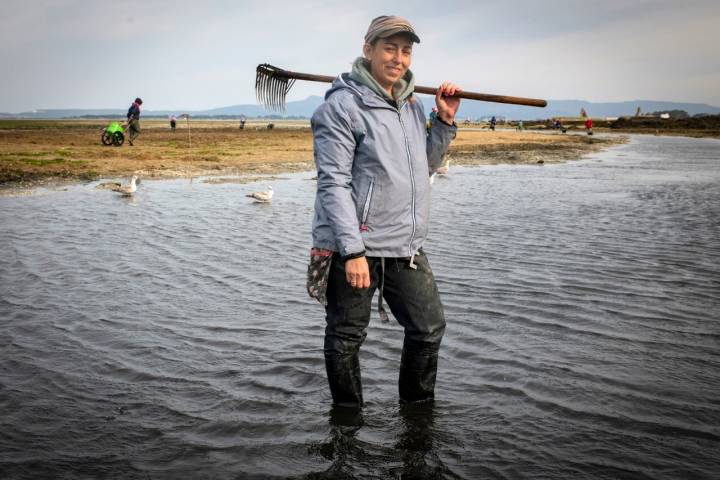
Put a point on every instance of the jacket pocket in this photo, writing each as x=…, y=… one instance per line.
x=365, y=213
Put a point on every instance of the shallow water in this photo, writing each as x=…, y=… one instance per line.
x=170, y=335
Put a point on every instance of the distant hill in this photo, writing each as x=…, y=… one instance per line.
x=468, y=109
x=299, y=108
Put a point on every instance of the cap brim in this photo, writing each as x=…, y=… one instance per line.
x=398, y=31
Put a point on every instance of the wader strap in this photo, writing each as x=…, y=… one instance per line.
x=381, y=308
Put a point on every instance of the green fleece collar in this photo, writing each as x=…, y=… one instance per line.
x=402, y=89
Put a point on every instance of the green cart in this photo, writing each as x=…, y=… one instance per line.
x=113, y=134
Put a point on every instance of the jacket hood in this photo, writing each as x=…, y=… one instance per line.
x=361, y=83
x=402, y=89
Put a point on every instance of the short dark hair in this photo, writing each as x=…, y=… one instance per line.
x=138, y=100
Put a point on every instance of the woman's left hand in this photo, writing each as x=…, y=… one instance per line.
x=447, y=105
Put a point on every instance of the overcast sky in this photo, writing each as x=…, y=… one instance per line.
x=202, y=54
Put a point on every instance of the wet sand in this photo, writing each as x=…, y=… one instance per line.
x=42, y=153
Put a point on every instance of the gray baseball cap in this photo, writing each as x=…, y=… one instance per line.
x=389, y=25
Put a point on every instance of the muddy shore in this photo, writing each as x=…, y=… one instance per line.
x=42, y=153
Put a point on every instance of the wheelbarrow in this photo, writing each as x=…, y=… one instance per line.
x=113, y=134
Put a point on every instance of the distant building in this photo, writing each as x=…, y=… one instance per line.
x=671, y=114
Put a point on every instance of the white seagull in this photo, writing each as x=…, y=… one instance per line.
x=262, y=197
x=130, y=188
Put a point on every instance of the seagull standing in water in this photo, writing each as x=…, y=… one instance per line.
x=129, y=189
x=262, y=197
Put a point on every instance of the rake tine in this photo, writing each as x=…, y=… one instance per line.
x=290, y=85
x=259, y=90
x=257, y=87
x=277, y=88
x=263, y=90
x=282, y=92
x=269, y=95
x=268, y=92
x=260, y=82
x=279, y=93
x=274, y=83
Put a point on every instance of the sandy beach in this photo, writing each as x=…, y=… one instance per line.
x=36, y=153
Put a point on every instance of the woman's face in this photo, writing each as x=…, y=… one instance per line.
x=389, y=59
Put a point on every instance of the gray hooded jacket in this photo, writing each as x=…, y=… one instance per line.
x=374, y=161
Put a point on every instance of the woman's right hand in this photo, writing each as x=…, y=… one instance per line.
x=357, y=272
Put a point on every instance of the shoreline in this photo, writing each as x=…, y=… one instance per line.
x=64, y=153
x=503, y=151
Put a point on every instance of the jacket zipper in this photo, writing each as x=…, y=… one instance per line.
x=366, y=207
x=412, y=183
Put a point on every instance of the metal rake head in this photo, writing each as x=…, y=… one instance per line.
x=272, y=86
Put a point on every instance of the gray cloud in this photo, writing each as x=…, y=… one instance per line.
x=188, y=54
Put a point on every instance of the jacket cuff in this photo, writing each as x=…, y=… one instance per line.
x=445, y=123
x=356, y=247
x=350, y=256
x=443, y=127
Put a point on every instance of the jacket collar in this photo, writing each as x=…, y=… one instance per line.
x=366, y=95
x=401, y=90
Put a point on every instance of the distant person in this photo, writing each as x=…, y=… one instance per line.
x=558, y=126
x=242, y=122
x=133, y=120
x=589, y=126
x=493, y=122
x=520, y=125
x=433, y=116
x=173, y=122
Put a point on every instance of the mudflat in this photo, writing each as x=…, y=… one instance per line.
x=37, y=152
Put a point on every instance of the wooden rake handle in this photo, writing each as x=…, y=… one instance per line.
x=484, y=97
x=487, y=97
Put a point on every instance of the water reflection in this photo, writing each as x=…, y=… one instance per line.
x=130, y=200
x=415, y=442
x=342, y=447
x=412, y=456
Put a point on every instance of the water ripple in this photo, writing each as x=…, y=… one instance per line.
x=172, y=333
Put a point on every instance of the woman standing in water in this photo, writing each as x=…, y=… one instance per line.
x=374, y=157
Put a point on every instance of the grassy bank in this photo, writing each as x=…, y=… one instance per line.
x=43, y=151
